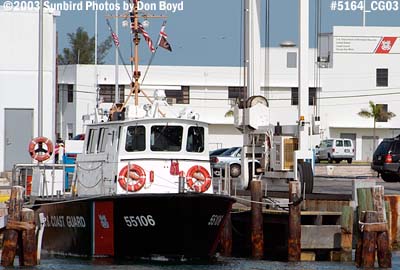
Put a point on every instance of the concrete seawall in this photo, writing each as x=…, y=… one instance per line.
x=344, y=170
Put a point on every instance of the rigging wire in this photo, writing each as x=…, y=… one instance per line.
x=267, y=45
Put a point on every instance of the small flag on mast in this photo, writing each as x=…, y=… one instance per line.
x=113, y=35
x=143, y=32
x=115, y=39
x=147, y=38
x=163, y=42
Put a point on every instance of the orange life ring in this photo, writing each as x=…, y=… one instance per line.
x=201, y=175
x=39, y=153
x=136, y=174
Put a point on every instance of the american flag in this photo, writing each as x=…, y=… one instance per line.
x=143, y=32
x=147, y=38
x=113, y=35
x=115, y=38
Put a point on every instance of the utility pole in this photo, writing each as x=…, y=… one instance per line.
x=304, y=121
x=40, y=72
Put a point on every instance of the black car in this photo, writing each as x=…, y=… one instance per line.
x=386, y=159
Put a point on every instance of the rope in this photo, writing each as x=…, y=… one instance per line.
x=88, y=187
x=89, y=170
x=362, y=224
x=262, y=203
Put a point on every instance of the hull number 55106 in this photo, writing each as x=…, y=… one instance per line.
x=139, y=221
x=215, y=220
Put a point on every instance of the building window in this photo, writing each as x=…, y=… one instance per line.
x=235, y=92
x=312, y=96
x=70, y=92
x=70, y=130
x=107, y=93
x=382, y=77
x=178, y=96
x=69, y=88
x=291, y=60
x=384, y=110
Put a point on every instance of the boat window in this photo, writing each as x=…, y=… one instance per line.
x=166, y=138
x=195, y=139
x=91, y=142
x=101, y=146
x=135, y=139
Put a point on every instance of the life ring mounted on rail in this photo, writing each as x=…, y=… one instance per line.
x=38, y=152
x=198, y=178
x=135, y=180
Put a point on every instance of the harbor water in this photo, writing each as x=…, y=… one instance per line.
x=221, y=263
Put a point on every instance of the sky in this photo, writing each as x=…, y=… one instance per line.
x=209, y=32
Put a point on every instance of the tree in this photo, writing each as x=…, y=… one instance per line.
x=378, y=114
x=82, y=49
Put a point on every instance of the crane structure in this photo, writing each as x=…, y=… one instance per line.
x=267, y=152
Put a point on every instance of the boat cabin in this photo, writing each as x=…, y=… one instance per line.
x=145, y=155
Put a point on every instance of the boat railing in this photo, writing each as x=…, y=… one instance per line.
x=224, y=181
x=43, y=179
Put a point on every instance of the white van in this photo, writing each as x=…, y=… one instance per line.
x=335, y=150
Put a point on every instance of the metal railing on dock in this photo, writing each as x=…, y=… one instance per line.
x=52, y=179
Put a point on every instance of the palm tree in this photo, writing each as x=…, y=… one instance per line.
x=378, y=114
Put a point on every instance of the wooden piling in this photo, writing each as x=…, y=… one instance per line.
x=369, y=241
x=394, y=202
x=10, y=238
x=359, y=246
x=294, y=238
x=29, y=247
x=226, y=237
x=257, y=234
x=373, y=238
x=346, y=223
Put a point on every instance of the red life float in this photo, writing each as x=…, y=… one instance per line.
x=198, y=178
x=136, y=174
x=41, y=154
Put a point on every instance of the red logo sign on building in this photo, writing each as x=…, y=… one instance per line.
x=385, y=45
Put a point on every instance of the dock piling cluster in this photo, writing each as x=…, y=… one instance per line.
x=373, y=235
x=19, y=235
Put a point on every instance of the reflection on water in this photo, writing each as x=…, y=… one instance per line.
x=220, y=264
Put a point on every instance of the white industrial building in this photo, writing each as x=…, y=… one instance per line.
x=352, y=66
x=19, y=82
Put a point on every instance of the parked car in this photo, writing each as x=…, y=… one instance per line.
x=335, y=150
x=386, y=159
x=217, y=152
x=231, y=157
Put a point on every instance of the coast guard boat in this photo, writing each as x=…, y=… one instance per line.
x=141, y=187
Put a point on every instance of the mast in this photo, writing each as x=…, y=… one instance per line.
x=136, y=73
x=116, y=58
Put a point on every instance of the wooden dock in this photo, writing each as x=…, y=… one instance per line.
x=328, y=225
x=321, y=230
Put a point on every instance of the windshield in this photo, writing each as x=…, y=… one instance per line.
x=195, y=140
x=229, y=152
x=166, y=138
x=135, y=139
x=383, y=148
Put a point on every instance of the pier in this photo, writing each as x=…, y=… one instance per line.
x=328, y=224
